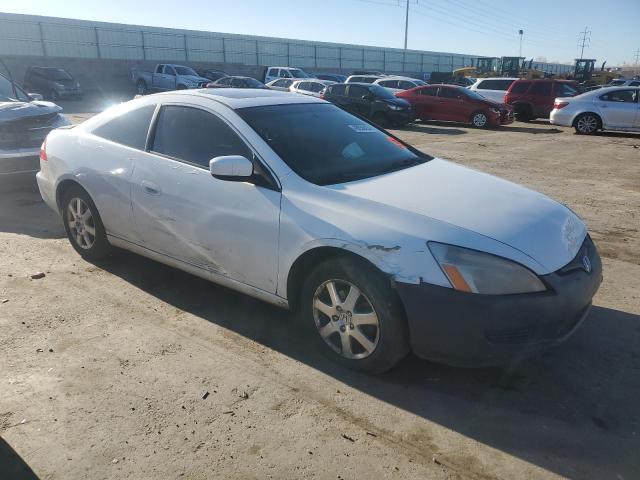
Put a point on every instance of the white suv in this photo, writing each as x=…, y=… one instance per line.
x=493, y=88
x=273, y=73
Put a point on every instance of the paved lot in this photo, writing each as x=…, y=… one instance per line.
x=131, y=369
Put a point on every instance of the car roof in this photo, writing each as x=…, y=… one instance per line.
x=246, y=97
x=497, y=78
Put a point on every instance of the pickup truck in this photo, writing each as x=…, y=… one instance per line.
x=167, y=77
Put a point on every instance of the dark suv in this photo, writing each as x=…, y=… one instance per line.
x=370, y=101
x=533, y=99
x=54, y=83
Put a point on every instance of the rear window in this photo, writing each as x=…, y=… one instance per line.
x=495, y=85
x=326, y=145
x=520, y=87
x=128, y=129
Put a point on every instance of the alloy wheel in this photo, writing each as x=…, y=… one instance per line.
x=81, y=223
x=345, y=319
x=587, y=124
x=479, y=120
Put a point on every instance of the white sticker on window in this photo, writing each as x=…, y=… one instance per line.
x=363, y=128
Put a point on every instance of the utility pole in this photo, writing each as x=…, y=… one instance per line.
x=406, y=26
x=584, y=41
x=637, y=65
x=520, y=32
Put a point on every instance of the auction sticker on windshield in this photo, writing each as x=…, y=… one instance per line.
x=363, y=128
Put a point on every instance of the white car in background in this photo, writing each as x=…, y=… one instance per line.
x=380, y=248
x=399, y=84
x=274, y=73
x=622, y=82
x=280, y=84
x=492, y=88
x=310, y=87
x=608, y=108
x=363, y=78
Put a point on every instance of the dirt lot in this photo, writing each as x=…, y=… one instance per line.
x=131, y=369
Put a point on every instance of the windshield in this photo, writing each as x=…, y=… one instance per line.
x=419, y=83
x=186, y=71
x=298, y=73
x=57, y=74
x=381, y=92
x=326, y=145
x=10, y=94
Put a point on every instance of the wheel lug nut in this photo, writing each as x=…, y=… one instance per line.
x=351, y=326
x=339, y=308
x=334, y=318
x=343, y=329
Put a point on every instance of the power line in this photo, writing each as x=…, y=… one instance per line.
x=585, y=41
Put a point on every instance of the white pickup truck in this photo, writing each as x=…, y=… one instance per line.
x=167, y=77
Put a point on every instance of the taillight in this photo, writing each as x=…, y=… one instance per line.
x=43, y=151
x=559, y=105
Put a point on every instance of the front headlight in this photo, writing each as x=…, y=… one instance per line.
x=394, y=107
x=495, y=110
x=477, y=272
x=58, y=85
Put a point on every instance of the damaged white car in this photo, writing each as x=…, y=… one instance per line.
x=381, y=248
x=24, y=123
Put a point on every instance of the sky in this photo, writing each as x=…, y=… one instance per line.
x=478, y=27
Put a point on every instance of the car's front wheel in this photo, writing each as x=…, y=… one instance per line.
x=480, y=120
x=355, y=315
x=587, y=124
x=83, y=224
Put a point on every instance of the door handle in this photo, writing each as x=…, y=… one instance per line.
x=150, y=188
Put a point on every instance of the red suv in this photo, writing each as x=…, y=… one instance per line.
x=533, y=99
x=456, y=104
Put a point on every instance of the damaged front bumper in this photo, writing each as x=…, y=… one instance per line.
x=468, y=329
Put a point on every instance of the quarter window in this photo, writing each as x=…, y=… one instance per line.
x=521, y=87
x=541, y=88
x=195, y=136
x=449, y=92
x=429, y=91
x=128, y=129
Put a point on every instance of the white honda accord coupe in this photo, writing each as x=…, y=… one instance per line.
x=381, y=248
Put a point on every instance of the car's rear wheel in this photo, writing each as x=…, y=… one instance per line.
x=83, y=224
x=141, y=87
x=480, y=120
x=355, y=315
x=587, y=124
x=523, y=112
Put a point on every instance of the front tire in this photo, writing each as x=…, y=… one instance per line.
x=355, y=315
x=480, y=120
x=523, y=112
x=141, y=87
x=587, y=124
x=381, y=120
x=83, y=225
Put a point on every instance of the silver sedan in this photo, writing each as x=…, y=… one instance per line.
x=610, y=108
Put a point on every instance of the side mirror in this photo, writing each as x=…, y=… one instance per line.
x=231, y=167
x=369, y=97
x=35, y=96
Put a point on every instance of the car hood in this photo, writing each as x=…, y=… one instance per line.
x=528, y=221
x=10, y=111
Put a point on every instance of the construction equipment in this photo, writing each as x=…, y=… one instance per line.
x=586, y=74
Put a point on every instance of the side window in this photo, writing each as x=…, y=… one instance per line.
x=338, y=90
x=429, y=91
x=564, y=90
x=485, y=85
x=541, y=88
x=159, y=68
x=273, y=72
x=237, y=82
x=168, y=70
x=225, y=81
x=355, y=79
x=195, y=136
x=634, y=84
x=128, y=129
x=623, y=96
x=303, y=86
x=287, y=82
x=356, y=91
x=278, y=83
x=521, y=87
x=317, y=87
x=285, y=73
x=449, y=92
x=405, y=85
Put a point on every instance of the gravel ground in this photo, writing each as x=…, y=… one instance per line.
x=128, y=368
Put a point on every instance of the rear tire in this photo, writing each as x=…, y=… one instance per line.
x=587, y=124
x=141, y=87
x=523, y=112
x=354, y=315
x=83, y=224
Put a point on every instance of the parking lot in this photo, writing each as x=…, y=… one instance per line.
x=129, y=368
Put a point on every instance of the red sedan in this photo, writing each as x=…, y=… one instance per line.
x=452, y=103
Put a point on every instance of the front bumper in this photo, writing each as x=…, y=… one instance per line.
x=467, y=329
x=401, y=117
